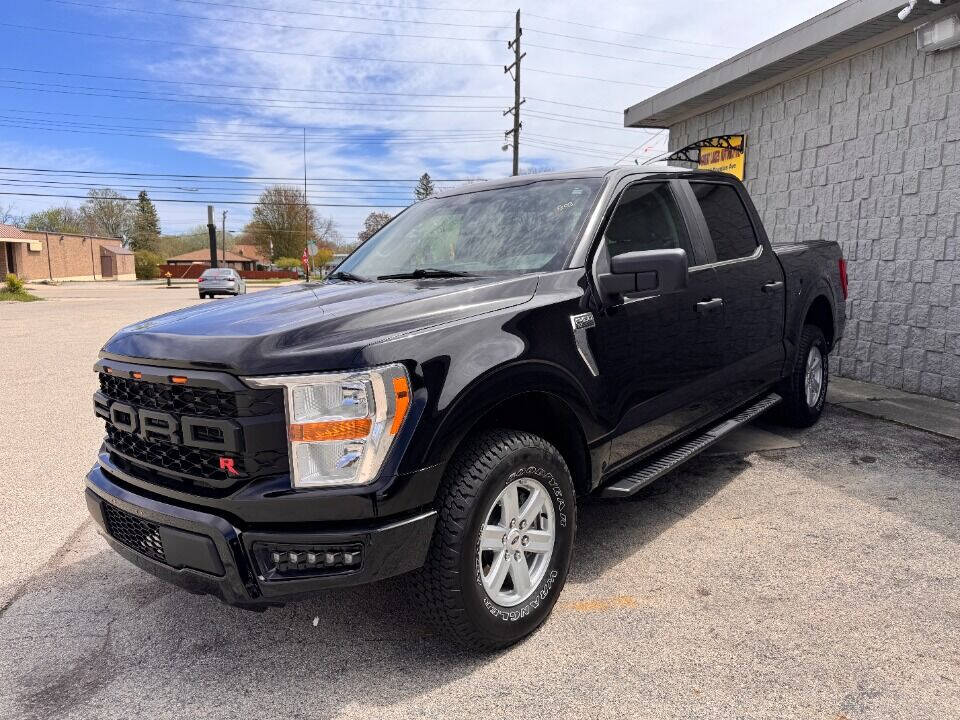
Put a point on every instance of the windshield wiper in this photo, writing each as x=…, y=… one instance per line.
x=425, y=273
x=344, y=275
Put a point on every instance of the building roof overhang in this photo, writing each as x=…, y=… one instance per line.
x=850, y=27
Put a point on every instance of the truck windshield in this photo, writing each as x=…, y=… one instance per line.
x=526, y=228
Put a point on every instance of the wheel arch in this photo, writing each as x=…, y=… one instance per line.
x=820, y=313
x=533, y=397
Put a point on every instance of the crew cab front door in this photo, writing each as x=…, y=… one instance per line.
x=656, y=355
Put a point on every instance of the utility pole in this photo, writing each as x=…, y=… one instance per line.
x=223, y=238
x=306, y=214
x=212, y=232
x=517, y=102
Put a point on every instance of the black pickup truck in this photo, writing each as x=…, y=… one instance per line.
x=439, y=403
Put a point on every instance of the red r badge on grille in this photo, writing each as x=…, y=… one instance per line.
x=227, y=464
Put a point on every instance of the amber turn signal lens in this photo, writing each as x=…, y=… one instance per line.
x=401, y=390
x=332, y=430
x=136, y=375
x=178, y=380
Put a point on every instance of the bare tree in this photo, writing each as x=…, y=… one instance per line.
x=10, y=216
x=108, y=213
x=283, y=224
x=373, y=222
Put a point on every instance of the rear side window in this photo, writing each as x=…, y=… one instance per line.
x=647, y=218
x=727, y=220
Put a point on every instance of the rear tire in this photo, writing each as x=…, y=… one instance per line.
x=203, y=296
x=805, y=391
x=482, y=590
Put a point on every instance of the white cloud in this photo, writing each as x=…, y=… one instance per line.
x=731, y=22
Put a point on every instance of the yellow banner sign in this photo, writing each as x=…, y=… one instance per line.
x=724, y=159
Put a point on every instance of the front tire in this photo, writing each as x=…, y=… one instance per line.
x=504, y=537
x=805, y=391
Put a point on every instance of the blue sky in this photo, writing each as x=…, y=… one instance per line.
x=386, y=90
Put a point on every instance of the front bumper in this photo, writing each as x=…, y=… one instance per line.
x=206, y=554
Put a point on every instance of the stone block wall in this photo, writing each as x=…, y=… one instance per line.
x=866, y=152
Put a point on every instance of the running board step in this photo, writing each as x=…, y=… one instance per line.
x=634, y=480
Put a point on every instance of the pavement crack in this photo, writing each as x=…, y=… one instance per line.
x=51, y=563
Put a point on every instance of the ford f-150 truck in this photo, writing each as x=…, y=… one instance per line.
x=440, y=402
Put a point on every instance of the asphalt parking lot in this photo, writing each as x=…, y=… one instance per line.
x=811, y=574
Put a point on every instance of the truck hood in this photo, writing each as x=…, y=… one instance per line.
x=309, y=327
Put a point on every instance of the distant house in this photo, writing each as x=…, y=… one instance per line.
x=42, y=255
x=202, y=257
x=253, y=252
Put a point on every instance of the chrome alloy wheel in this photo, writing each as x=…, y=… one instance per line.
x=516, y=541
x=813, y=380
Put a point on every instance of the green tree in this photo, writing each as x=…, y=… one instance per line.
x=424, y=188
x=282, y=224
x=287, y=263
x=63, y=219
x=371, y=224
x=145, y=231
x=107, y=213
x=145, y=263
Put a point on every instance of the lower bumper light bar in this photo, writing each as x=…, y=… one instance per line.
x=280, y=560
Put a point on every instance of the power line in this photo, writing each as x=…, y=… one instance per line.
x=208, y=46
x=581, y=107
x=260, y=8
x=181, y=135
x=620, y=58
x=224, y=177
x=589, y=77
x=338, y=131
x=623, y=45
x=253, y=87
x=649, y=140
x=203, y=202
x=626, y=32
x=558, y=118
x=228, y=191
x=244, y=103
x=187, y=16
x=324, y=104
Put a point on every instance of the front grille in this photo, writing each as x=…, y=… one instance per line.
x=194, y=401
x=202, y=466
x=204, y=440
x=137, y=534
x=175, y=458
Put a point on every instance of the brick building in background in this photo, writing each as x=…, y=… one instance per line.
x=38, y=255
x=853, y=135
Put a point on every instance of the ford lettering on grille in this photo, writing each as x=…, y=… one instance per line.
x=154, y=425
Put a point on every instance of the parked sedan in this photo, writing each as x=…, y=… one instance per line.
x=221, y=281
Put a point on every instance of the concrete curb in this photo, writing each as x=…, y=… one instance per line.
x=926, y=413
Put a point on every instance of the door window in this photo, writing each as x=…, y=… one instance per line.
x=647, y=218
x=727, y=220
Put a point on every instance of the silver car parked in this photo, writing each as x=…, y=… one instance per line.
x=221, y=281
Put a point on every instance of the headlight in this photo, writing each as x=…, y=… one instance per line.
x=341, y=425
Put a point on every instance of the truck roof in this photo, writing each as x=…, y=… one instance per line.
x=614, y=172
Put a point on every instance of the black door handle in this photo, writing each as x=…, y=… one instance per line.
x=705, y=307
x=772, y=286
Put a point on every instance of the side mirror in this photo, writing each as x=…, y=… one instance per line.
x=645, y=273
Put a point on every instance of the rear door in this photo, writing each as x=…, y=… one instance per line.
x=750, y=281
x=656, y=354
